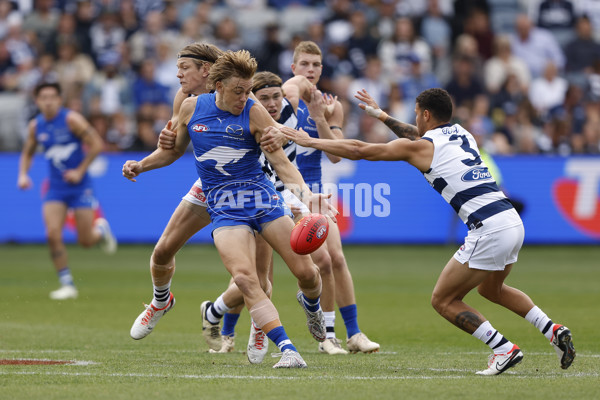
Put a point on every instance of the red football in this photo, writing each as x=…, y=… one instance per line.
x=309, y=233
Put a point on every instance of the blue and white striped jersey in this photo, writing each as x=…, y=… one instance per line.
x=464, y=181
x=288, y=118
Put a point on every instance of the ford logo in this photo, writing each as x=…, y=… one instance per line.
x=476, y=174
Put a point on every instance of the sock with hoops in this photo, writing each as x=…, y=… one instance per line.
x=312, y=305
x=488, y=335
x=229, y=322
x=329, y=324
x=64, y=277
x=216, y=310
x=161, y=295
x=540, y=320
x=280, y=338
x=350, y=316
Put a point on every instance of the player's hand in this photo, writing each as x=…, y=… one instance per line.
x=24, y=182
x=318, y=203
x=272, y=139
x=317, y=105
x=299, y=136
x=369, y=105
x=73, y=176
x=131, y=169
x=330, y=102
x=166, y=139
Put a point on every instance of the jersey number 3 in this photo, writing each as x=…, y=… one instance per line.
x=465, y=146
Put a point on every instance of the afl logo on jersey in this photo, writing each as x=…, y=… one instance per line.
x=310, y=121
x=200, y=128
x=476, y=174
x=234, y=130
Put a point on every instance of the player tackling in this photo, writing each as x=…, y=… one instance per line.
x=449, y=159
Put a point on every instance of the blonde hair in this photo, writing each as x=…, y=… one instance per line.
x=265, y=79
x=307, y=47
x=201, y=53
x=239, y=64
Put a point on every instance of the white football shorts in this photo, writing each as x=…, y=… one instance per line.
x=196, y=195
x=492, y=251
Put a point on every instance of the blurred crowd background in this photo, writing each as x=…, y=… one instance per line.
x=524, y=74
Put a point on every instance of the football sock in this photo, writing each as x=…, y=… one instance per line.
x=64, y=277
x=312, y=305
x=329, y=324
x=488, y=335
x=161, y=295
x=540, y=320
x=216, y=310
x=350, y=316
x=229, y=322
x=280, y=338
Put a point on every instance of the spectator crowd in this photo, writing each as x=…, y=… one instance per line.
x=524, y=74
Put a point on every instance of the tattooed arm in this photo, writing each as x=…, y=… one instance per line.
x=400, y=129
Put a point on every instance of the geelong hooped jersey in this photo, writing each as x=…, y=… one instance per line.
x=460, y=176
x=225, y=149
x=62, y=148
x=308, y=159
x=288, y=118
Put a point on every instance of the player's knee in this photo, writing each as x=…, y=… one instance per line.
x=54, y=236
x=438, y=302
x=323, y=261
x=308, y=274
x=162, y=254
x=338, y=260
x=245, y=282
x=86, y=242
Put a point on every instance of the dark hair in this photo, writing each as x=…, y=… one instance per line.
x=438, y=102
x=44, y=85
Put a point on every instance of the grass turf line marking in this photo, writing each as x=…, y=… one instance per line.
x=246, y=377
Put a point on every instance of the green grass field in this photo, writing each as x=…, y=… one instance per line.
x=422, y=356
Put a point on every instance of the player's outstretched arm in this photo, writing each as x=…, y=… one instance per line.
x=418, y=153
x=400, y=129
x=162, y=157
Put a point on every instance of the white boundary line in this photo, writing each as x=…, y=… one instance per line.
x=470, y=374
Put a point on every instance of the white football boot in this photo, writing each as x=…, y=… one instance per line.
x=147, y=320
x=258, y=345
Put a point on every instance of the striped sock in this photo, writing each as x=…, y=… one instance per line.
x=540, y=320
x=312, y=305
x=350, y=316
x=64, y=277
x=329, y=324
x=280, y=338
x=229, y=322
x=490, y=336
x=216, y=310
x=161, y=295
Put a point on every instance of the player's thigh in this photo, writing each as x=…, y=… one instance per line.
x=277, y=233
x=185, y=222
x=456, y=280
x=334, y=245
x=55, y=214
x=237, y=249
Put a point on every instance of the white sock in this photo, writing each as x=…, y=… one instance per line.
x=540, y=320
x=490, y=336
x=329, y=324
